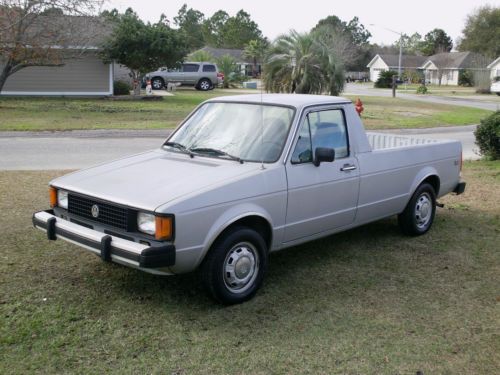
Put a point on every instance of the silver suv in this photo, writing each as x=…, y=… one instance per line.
x=202, y=75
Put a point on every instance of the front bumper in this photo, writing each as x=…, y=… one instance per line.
x=152, y=259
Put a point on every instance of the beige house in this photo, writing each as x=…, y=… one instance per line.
x=83, y=73
x=494, y=68
x=444, y=68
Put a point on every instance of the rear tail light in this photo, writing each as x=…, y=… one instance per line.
x=220, y=75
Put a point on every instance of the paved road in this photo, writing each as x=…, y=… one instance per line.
x=487, y=102
x=79, y=149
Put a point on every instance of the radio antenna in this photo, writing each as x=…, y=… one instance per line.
x=262, y=127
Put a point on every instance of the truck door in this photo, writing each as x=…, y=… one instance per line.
x=321, y=198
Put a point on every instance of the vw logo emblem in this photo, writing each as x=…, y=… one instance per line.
x=95, y=210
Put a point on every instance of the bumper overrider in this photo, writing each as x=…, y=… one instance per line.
x=152, y=259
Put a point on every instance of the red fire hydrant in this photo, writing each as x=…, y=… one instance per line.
x=359, y=106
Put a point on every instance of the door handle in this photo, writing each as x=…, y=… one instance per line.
x=348, y=167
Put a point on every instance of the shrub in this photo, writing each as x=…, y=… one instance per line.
x=465, y=78
x=422, y=89
x=384, y=80
x=488, y=136
x=121, y=88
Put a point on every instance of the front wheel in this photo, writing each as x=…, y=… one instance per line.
x=418, y=215
x=157, y=83
x=235, y=266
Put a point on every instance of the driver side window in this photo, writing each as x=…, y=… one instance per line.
x=321, y=129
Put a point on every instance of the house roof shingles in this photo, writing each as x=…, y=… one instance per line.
x=407, y=61
x=446, y=60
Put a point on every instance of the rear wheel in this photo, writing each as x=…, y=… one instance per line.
x=235, y=266
x=204, y=84
x=418, y=216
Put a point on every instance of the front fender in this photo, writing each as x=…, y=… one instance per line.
x=229, y=217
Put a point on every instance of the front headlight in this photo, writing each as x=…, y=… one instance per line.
x=62, y=198
x=146, y=223
x=162, y=227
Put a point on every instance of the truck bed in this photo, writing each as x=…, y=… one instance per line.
x=381, y=141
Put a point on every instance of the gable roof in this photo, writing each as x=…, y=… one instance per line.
x=219, y=52
x=392, y=61
x=497, y=61
x=457, y=60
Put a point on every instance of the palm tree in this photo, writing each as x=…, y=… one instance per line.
x=303, y=63
x=254, y=50
x=227, y=65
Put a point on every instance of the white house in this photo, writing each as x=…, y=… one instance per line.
x=382, y=63
x=444, y=68
x=494, y=68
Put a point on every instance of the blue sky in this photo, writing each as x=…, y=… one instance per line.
x=278, y=17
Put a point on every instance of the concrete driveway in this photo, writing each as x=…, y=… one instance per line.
x=489, y=102
x=80, y=149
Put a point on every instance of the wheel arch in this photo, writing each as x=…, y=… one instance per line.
x=256, y=219
x=429, y=175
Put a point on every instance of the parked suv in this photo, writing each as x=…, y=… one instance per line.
x=202, y=75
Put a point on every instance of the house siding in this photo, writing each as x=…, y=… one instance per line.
x=378, y=66
x=495, y=70
x=87, y=75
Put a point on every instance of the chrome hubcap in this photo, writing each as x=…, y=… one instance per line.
x=423, y=210
x=156, y=84
x=204, y=85
x=241, y=267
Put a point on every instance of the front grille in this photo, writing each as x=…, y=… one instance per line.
x=109, y=214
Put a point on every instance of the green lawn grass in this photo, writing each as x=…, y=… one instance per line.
x=71, y=113
x=394, y=113
x=367, y=301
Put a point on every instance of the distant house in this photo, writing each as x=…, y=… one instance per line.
x=83, y=72
x=382, y=63
x=444, y=68
x=245, y=65
x=494, y=68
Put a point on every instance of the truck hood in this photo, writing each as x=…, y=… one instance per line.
x=149, y=180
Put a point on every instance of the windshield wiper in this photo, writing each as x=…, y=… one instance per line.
x=215, y=152
x=180, y=147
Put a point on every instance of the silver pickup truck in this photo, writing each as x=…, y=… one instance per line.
x=244, y=176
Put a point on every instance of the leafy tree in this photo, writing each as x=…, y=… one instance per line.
x=488, y=136
x=411, y=43
x=436, y=41
x=350, y=40
x=201, y=55
x=142, y=47
x=37, y=32
x=303, y=63
x=190, y=23
x=255, y=50
x=223, y=31
x=481, y=33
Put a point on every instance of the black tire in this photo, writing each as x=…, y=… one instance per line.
x=239, y=245
x=157, y=83
x=204, y=84
x=418, y=215
x=498, y=93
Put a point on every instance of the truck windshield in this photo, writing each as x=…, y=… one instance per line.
x=248, y=132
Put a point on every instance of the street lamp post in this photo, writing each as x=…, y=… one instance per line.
x=400, y=46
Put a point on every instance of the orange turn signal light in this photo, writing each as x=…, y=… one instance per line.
x=53, y=196
x=164, y=227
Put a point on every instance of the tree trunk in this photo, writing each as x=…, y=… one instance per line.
x=5, y=74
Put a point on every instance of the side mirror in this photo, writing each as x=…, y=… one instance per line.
x=323, y=154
